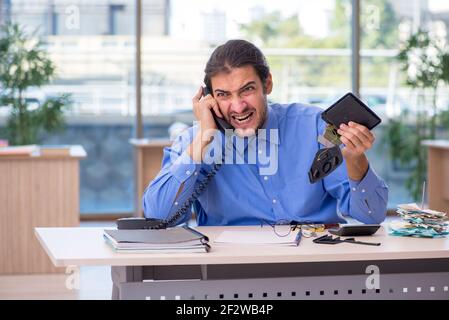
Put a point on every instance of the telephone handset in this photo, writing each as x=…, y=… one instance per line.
x=221, y=123
x=151, y=223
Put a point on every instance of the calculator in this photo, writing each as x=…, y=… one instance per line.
x=355, y=230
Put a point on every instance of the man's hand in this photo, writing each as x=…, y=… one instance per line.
x=357, y=139
x=202, y=107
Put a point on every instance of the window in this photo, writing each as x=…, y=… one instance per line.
x=384, y=24
x=92, y=46
x=310, y=60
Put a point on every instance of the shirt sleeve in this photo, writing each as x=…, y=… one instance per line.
x=365, y=200
x=175, y=182
x=369, y=198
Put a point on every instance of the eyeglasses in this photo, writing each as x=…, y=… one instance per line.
x=283, y=228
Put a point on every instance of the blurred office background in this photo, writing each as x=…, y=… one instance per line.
x=308, y=44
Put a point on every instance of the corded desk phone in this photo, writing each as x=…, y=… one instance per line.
x=151, y=223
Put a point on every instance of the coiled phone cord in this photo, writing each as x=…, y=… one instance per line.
x=187, y=204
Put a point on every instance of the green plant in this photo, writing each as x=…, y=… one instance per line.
x=24, y=64
x=425, y=60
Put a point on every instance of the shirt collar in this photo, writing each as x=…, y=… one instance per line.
x=271, y=123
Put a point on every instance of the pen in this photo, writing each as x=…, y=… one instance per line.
x=298, y=237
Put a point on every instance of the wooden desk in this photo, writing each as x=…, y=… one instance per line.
x=438, y=174
x=147, y=159
x=238, y=269
x=40, y=191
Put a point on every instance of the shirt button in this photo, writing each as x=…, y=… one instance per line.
x=370, y=212
x=354, y=189
x=274, y=200
x=195, y=173
x=363, y=190
x=188, y=172
x=265, y=178
x=176, y=203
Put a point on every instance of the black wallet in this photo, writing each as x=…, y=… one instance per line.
x=347, y=108
x=350, y=108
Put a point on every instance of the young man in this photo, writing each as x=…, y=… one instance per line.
x=239, y=79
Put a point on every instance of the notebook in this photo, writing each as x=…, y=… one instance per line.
x=177, y=239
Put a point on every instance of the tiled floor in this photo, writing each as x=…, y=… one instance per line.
x=85, y=283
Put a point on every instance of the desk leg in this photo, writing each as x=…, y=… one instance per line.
x=115, y=292
x=120, y=275
x=204, y=272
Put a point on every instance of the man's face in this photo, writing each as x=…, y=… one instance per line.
x=242, y=98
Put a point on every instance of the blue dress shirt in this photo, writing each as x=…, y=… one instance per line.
x=241, y=194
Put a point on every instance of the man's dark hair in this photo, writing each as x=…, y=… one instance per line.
x=235, y=54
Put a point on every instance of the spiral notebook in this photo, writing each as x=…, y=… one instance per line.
x=177, y=239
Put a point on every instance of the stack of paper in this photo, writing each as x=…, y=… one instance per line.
x=417, y=222
x=26, y=151
x=263, y=236
x=178, y=239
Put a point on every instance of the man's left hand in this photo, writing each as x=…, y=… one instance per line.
x=357, y=140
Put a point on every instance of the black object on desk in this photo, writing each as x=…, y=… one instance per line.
x=352, y=230
x=328, y=239
x=134, y=223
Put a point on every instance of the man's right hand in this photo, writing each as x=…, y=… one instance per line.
x=202, y=107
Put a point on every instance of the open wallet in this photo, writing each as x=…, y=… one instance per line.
x=350, y=108
x=347, y=108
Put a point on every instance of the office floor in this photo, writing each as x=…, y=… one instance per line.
x=94, y=282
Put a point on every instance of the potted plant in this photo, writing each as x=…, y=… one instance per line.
x=425, y=61
x=24, y=65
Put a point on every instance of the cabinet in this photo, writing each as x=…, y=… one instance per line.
x=35, y=191
x=438, y=174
